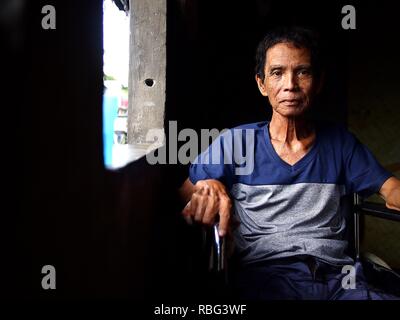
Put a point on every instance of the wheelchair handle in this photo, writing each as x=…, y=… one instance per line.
x=217, y=255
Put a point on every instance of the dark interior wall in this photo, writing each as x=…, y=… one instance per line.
x=119, y=233
x=211, y=78
x=373, y=109
x=108, y=234
x=58, y=160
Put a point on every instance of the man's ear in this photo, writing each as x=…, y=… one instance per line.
x=261, y=86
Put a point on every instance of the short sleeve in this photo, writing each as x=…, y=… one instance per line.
x=363, y=173
x=214, y=163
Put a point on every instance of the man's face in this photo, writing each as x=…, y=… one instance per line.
x=289, y=82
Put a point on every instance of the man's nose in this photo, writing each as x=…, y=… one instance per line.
x=290, y=83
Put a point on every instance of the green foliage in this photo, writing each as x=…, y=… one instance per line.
x=107, y=77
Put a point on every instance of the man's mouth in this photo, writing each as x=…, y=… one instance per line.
x=291, y=102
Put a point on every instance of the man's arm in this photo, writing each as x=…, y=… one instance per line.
x=390, y=192
x=205, y=200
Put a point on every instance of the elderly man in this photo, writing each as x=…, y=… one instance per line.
x=290, y=238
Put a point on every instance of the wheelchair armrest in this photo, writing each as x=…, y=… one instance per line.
x=378, y=210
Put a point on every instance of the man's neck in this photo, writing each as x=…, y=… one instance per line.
x=290, y=131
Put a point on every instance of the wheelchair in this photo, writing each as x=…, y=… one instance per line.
x=378, y=273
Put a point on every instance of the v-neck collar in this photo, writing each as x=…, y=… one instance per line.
x=300, y=163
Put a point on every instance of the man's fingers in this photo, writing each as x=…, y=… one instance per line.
x=187, y=209
x=187, y=215
x=199, y=206
x=202, y=190
x=206, y=202
x=210, y=212
x=188, y=219
x=224, y=216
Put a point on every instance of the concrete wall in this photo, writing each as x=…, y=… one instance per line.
x=147, y=69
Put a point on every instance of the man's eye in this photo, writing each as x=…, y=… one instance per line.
x=276, y=73
x=304, y=72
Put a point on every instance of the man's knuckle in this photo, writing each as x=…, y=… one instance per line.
x=226, y=202
x=200, y=184
x=195, y=196
x=224, y=214
x=207, y=221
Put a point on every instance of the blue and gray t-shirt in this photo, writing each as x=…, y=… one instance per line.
x=287, y=210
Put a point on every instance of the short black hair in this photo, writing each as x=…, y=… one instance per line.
x=300, y=37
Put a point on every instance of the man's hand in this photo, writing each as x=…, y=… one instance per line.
x=208, y=199
x=390, y=191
